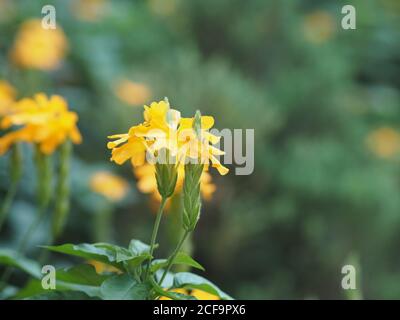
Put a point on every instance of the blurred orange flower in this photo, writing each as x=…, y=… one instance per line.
x=132, y=93
x=384, y=142
x=112, y=187
x=163, y=7
x=318, y=26
x=39, y=48
x=88, y=10
x=7, y=97
x=41, y=120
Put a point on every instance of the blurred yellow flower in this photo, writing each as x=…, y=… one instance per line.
x=163, y=7
x=89, y=10
x=39, y=48
x=198, y=294
x=384, y=142
x=147, y=181
x=132, y=93
x=112, y=187
x=7, y=97
x=41, y=120
x=319, y=26
x=102, y=267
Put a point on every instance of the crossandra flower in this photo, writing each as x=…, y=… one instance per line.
x=147, y=182
x=164, y=129
x=7, y=97
x=196, y=144
x=39, y=48
x=109, y=185
x=157, y=132
x=40, y=120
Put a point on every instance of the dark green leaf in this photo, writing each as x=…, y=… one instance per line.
x=181, y=258
x=102, y=252
x=124, y=287
x=82, y=274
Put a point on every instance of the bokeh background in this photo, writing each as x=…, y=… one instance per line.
x=324, y=103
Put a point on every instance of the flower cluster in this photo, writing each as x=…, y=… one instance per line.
x=44, y=121
x=163, y=130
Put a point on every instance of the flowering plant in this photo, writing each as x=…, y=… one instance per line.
x=180, y=151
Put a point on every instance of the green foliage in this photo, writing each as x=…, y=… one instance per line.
x=82, y=281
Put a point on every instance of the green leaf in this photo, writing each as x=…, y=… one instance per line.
x=13, y=259
x=102, y=252
x=82, y=274
x=181, y=258
x=138, y=260
x=124, y=287
x=193, y=281
x=81, y=278
x=137, y=247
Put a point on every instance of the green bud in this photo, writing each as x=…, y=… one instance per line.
x=197, y=123
x=166, y=177
x=191, y=195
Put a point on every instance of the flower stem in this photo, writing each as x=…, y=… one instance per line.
x=155, y=231
x=16, y=171
x=171, y=259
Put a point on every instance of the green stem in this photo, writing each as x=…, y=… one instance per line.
x=16, y=171
x=43, y=167
x=5, y=208
x=171, y=259
x=155, y=231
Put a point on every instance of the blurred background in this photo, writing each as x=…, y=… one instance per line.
x=324, y=103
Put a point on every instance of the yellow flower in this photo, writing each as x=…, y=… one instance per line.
x=88, y=10
x=39, y=48
x=198, y=145
x=152, y=135
x=109, y=185
x=202, y=295
x=384, y=142
x=41, y=120
x=7, y=97
x=102, y=267
x=198, y=294
x=147, y=182
x=132, y=93
x=162, y=129
x=318, y=26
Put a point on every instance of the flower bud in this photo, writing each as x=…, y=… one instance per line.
x=191, y=185
x=166, y=177
x=191, y=195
